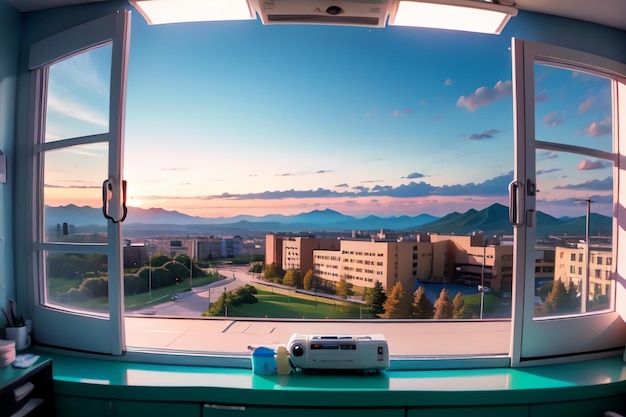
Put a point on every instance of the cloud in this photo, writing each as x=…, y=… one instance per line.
x=587, y=165
x=484, y=96
x=173, y=169
x=586, y=105
x=497, y=186
x=397, y=113
x=448, y=82
x=553, y=119
x=548, y=171
x=344, y=185
x=78, y=111
x=605, y=184
x=549, y=155
x=487, y=134
x=324, y=171
x=542, y=97
x=80, y=187
x=414, y=175
x=596, y=129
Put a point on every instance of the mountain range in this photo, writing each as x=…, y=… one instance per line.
x=491, y=221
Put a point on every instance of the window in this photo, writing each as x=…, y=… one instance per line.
x=216, y=165
x=573, y=160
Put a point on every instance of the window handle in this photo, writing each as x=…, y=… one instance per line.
x=108, y=188
x=516, y=204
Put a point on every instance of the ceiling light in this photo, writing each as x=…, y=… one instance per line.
x=177, y=11
x=468, y=15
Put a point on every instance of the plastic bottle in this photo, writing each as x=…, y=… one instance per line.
x=282, y=361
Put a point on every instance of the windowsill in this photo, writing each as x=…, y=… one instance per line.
x=111, y=379
x=177, y=340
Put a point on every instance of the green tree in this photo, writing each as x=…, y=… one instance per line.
x=398, y=304
x=375, y=299
x=560, y=299
x=256, y=268
x=308, y=280
x=159, y=259
x=273, y=272
x=293, y=278
x=343, y=288
x=422, y=307
x=444, y=309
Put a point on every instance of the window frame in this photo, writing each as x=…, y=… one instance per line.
x=532, y=337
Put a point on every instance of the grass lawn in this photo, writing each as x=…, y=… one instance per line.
x=274, y=305
x=131, y=302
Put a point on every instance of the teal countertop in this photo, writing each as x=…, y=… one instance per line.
x=107, y=379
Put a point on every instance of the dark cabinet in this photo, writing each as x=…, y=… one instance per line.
x=27, y=392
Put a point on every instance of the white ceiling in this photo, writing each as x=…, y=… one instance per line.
x=606, y=12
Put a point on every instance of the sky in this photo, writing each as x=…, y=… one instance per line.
x=232, y=118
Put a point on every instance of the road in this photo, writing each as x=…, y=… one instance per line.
x=193, y=303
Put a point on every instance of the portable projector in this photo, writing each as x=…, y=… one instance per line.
x=339, y=352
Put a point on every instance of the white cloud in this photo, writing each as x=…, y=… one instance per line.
x=484, y=96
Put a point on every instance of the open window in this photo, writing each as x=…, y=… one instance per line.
x=568, y=168
x=77, y=89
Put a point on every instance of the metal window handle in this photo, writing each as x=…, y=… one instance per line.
x=516, y=206
x=108, y=188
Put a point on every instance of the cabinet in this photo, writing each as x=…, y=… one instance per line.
x=27, y=392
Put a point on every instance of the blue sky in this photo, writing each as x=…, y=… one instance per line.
x=233, y=118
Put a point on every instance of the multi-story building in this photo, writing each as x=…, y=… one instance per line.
x=297, y=252
x=572, y=266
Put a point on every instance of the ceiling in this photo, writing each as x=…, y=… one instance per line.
x=605, y=12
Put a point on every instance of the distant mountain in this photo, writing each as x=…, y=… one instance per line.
x=492, y=220
x=314, y=220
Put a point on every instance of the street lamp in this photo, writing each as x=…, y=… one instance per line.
x=482, y=280
x=585, y=281
x=149, y=254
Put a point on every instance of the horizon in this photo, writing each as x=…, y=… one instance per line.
x=226, y=118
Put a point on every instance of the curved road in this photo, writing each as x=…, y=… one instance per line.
x=194, y=302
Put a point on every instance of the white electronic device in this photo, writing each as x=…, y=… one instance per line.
x=339, y=352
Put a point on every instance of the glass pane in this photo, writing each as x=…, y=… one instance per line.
x=78, y=95
x=573, y=107
x=574, y=234
x=77, y=280
x=73, y=194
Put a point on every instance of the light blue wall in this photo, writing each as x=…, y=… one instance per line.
x=575, y=34
x=10, y=24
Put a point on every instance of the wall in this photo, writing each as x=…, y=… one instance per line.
x=10, y=26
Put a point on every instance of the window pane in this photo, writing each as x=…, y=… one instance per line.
x=76, y=280
x=73, y=193
x=569, y=199
x=78, y=95
x=573, y=107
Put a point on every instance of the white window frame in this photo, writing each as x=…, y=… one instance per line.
x=73, y=328
x=560, y=339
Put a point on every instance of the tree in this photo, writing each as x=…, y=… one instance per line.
x=444, y=309
x=560, y=299
x=273, y=272
x=398, y=303
x=460, y=309
x=343, y=289
x=375, y=299
x=422, y=307
x=308, y=280
x=293, y=278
